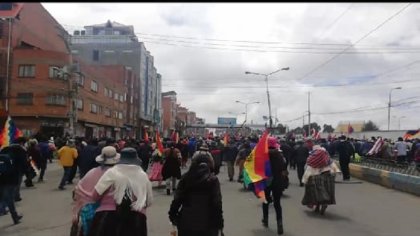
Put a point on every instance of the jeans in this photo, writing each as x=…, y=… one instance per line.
x=17, y=187
x=300, y=170
x=7, y=193
x=168, y=183
x=72, y=172
x=276, y=194
x=231, y=169
x=344, y=165
x=66, y=175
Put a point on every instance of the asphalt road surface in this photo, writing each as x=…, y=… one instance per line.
x=362, y=209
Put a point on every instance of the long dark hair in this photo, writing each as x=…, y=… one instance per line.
x=199, y=171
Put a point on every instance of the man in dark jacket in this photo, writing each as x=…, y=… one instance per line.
x=243, y=153
x=46, y=154
x=300, y=155
x=229, y=154
x=345, y=151
x=145, y=153
x=10, y=183
x=87, y=157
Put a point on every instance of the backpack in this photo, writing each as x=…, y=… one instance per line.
x=6, y=165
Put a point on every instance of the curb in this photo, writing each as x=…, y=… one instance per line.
x=402, y=182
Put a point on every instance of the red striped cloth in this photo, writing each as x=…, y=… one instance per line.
x=319, y=158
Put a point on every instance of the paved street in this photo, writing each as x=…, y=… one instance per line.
x=362, y=209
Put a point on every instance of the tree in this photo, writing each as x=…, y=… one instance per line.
x=370, y=126
x=327, y=128
x=313, y=126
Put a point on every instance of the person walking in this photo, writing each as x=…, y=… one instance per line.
x=243, y=153
x=229, y=154
x=123, y=213
x=276, y=185
x=171, y=170
x=401, y=148
x=345, y=151
x=46, y=154
x=319, y=180
x=300, y=155
x=197, y=205
x=13, y=165
x=67, y=154
x=87, y=157
x=85, y=205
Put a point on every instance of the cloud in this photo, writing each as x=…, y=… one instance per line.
x=209, y=75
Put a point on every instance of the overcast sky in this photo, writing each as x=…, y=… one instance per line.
x=347, y=55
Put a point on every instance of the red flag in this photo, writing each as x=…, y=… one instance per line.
x=350, y=129
x=159, y=143
x=226, y=139
x=146, y=136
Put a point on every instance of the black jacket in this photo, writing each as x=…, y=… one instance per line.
x=278, y=169
x=301, y=154
x=345, y=150
x=229, y=153
x=197, y=203
x=20, y=164
x=87, y=158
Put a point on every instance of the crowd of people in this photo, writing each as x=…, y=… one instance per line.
x=115, y=186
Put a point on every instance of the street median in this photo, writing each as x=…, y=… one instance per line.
x=402, y=182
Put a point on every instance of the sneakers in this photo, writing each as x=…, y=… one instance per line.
x=61, y=188
x=18, y=199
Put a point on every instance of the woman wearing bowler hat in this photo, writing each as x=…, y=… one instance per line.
x=125, y=214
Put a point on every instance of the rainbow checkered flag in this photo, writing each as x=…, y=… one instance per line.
x=9, y=133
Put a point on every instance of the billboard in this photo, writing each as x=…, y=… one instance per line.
x=226, y=121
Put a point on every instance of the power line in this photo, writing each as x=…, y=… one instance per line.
x=363, y=37
x=336, y=20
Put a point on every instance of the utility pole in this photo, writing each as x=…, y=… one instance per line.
x=73, y=91
x=309, y=113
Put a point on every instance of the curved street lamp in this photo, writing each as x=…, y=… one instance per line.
x=268, y=94
x=246, y=107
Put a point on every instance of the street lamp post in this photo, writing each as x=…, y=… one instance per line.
x=268, y=93
x=389, y=105
x=246, y=108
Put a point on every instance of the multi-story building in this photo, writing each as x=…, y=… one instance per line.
x=169, y=107
x=36, y=42
x=112, y=43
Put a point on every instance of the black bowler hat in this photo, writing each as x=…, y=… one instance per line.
x=129, y=156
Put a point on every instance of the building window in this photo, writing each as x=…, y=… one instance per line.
x=116, y=96
x=107, y=112
x=95, y=55
x=115, y=114
x=110, y=93
x=93, y=108
x=109, y=51
x=80, y=80
x=99, y=109
x=53, y=72
x=94, y=86
x=25, y=98
x=121, y=98
x=120, y=115
x=106, y=92
x=26, y=71
x=75, y=51
x=56, y=99
x=79, y=104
